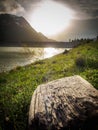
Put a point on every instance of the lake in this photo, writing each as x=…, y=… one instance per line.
x=11, y=57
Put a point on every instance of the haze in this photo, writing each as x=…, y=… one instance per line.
x=51, y=18
x=57, y=19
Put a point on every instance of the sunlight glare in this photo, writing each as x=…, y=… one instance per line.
x=51, y=18
x=49, y=52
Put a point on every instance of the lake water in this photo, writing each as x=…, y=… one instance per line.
x=12, y=57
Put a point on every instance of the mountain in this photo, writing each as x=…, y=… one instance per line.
x=17, y=29
x=79, y=29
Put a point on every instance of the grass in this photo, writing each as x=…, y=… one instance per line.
x=18, y=85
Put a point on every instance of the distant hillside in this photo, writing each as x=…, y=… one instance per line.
x=17, y=29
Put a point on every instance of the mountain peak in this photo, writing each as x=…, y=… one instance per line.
x=16, y=29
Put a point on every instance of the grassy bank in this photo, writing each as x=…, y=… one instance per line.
x=18, y=85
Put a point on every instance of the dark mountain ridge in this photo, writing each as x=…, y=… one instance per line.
x=17, y=29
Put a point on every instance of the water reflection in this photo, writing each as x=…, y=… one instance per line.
x=49, y=52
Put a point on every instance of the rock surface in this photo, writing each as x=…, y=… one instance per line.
x=67, y=103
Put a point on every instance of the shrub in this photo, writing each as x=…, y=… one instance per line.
x=66, y=51
x=92, y=77
x=2, y=80
x=80, y=62
x=92, y=63
x=39, y=62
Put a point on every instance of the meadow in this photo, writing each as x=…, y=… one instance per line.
x=18, y=85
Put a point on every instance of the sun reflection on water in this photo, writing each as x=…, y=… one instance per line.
x=49, y=52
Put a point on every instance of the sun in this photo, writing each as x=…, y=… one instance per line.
x=50, y=18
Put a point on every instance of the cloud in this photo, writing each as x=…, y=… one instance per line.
x=18, y=7
x=10, y=6
x=84, y=9
x=29, y=4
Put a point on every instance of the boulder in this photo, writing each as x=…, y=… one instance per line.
x=69, y=103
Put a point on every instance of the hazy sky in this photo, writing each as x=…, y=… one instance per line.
x=83, y=10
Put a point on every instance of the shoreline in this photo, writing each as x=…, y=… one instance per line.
x=19, y=59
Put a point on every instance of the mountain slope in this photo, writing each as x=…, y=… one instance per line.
x=17, y=29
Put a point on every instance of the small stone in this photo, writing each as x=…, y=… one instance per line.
x=7, y=119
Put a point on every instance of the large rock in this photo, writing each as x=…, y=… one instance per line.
x=67, y=103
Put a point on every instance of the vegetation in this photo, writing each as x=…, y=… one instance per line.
x=18, y=85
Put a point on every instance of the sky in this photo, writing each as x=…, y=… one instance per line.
x=57, y=19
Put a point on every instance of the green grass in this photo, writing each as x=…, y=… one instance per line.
x=18, y=85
